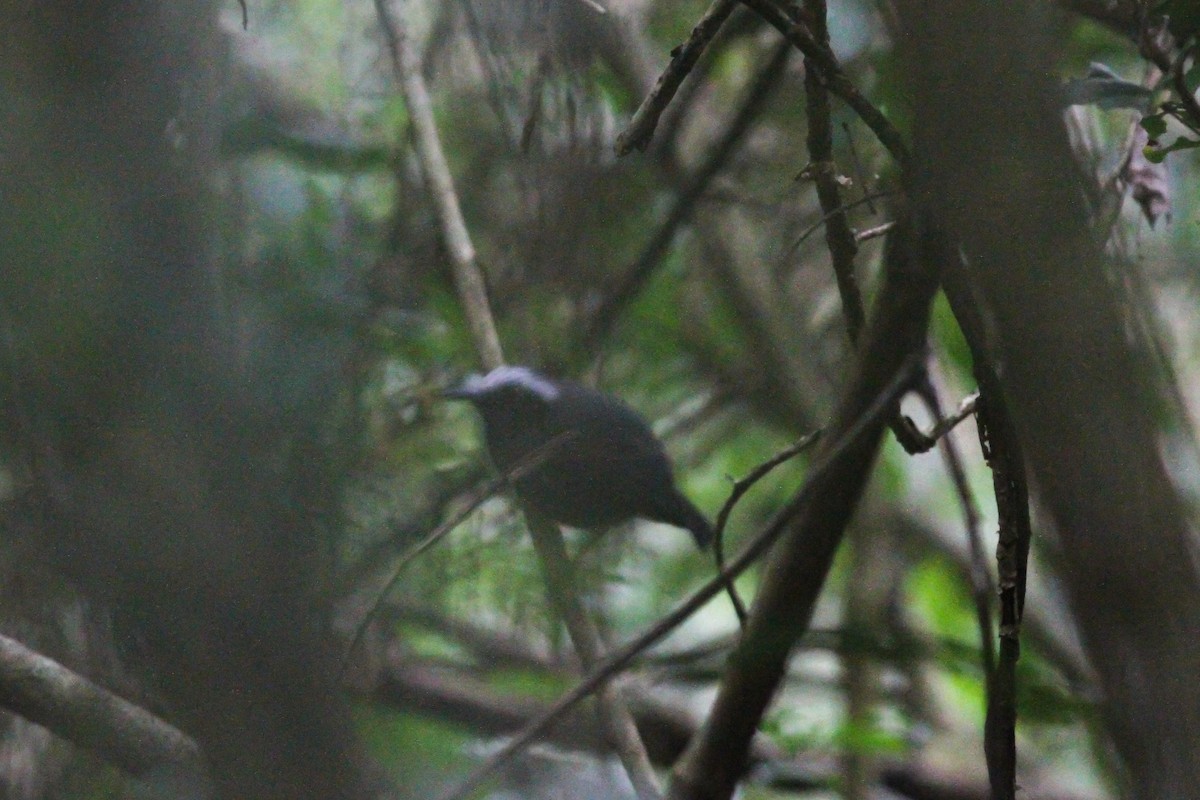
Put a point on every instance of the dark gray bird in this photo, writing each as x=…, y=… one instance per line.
x=609, y=468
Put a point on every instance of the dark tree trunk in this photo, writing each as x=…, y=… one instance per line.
x=154, y=466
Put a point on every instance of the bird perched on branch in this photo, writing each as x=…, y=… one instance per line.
x=602, y=463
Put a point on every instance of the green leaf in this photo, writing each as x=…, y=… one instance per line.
x=1154, y=125
x=1191, y=78
x=1156, y=155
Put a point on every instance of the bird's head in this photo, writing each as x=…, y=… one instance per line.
x=511, y=390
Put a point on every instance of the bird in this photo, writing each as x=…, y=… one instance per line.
x=602, y=465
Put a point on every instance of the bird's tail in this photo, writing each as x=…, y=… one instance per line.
x=681, y=512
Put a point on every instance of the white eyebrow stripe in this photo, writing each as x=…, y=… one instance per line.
x=519, y=376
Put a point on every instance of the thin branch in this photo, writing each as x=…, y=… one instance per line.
x=822, y=169
x=1186, y=95
x=619, y=659
x=998, y=441
x=468, y=278
x=839, y=237
x=1004, y=455
x=740, y=487
x=615, y=717
x=472, y=291
x=835, y=79
x=979, y=577
x=402, y=529
x=480, y=709
x=518, y=470
x=126, y=735
x=800, y=563
x=966, y=409
x=873, y=233
x=640, y=131
x=665, y=149
x=639, y=273
x=816, y=226
x=916, y=441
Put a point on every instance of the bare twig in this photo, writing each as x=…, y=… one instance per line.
x=619, y=659
x=816, y=226
x=873, y=233
x=740, y=487
x=823, y=172
x=917, y=441
x=521, y=468
x=477, y=706
x=839, y=238
x=998, y=440
x=944, y=425
x=665, y=148
x=640, y=130
x=1186, y=96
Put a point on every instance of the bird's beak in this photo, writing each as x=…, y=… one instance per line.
x=467, y=389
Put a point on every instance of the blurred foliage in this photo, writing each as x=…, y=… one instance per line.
x=734, y=348
x=557, y=220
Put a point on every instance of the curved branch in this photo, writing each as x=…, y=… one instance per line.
x=740, y=487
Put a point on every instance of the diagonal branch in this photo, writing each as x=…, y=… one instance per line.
x=740, y=487
x=547, y=538
x=793, y=578
x=640, y=130
x=468, y=278
x=128, y=736
x=832, y=461
x=640, y=272
x=523, y=466
x=794, y=30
